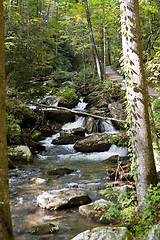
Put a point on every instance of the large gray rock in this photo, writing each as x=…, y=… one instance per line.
x=153, y=234
x=59, y=116
x=20, y=153
x=94, y=211
x=117, y=110
x=105, y=233
x=62, y=198
x=98, y=142
x=70, y=136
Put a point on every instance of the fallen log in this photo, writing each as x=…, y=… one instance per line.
x=79, y=112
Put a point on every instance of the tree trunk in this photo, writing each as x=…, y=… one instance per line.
x=5, y=217
x=104, y=44
x=109, y=51
x=137, y=98
x=94, y=49
x=158, y=7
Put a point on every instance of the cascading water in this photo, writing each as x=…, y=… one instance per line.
x=29, y=181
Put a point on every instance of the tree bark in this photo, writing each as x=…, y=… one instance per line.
x=137, y=98
x=158, y=7
x=94, y=49
x=5, y=216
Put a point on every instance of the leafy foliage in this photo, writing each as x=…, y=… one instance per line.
x=137, y=220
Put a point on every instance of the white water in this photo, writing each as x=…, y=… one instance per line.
x=71, y=125
x=81, y=105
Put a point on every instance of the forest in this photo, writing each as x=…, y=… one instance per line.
x=80, y=119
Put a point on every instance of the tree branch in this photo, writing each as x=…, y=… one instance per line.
x=79, y=113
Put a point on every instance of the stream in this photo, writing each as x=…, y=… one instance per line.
x=28, y=181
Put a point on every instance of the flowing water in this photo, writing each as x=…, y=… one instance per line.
x=27, y=182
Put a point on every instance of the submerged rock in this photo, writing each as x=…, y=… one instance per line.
x=98, y=142
x=20, y=153
x=62, y=198
x=59, y=171
x=105, y=233
x=47, y=228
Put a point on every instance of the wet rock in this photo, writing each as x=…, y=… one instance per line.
x=105, y=233
x=95, y=143
x=35, y=147
x=89, y=124
x=59, y=171
x=62, y=116
x=95, y=211
x=20, y=153
x=115, y=159
x=63, y=198
x=38, y=181
x=68, y=104
x=47, y=228
x=70, y=136
x=153, y=234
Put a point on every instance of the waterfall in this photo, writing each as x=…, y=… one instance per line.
x=103, y=126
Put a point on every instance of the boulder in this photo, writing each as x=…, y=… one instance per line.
x=62, y=198
x=20, y=153
x=59, y=171
x=59, y=116
x=95, y=143
x=105, y=233
x=153, y=234
x=70, y=136
x=95, y=211
x=117, y=110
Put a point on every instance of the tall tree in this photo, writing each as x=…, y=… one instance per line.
x=137, y=97
x=5, y=216
x=94, y=49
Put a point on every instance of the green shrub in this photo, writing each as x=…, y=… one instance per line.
x=137, y=220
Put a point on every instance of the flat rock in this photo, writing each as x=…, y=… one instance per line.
x=105, y=233
x=62, y=198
